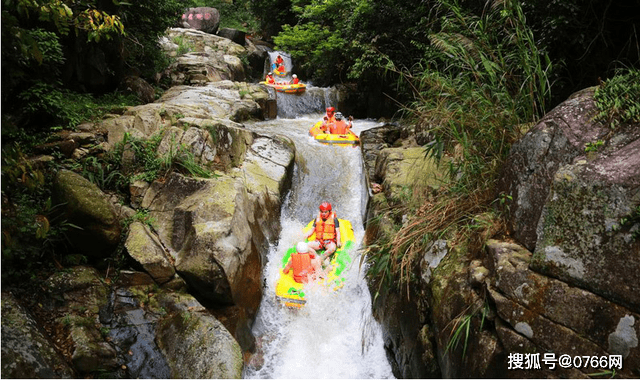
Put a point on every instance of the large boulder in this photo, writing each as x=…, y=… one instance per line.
x=401, y=169
x=576, y=207
x=205, y=19
x=217, y=229
x=197, y=346
x=588, y=233
x=213, y=108
x=558, y=139
x=145, y=247
x=85, y=205
x=372, y=141
x=202, y=58
x=80, y=295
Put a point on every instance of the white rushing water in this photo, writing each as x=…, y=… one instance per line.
x=334, y=335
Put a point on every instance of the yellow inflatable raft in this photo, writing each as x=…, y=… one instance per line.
x=348, y=139
x=291, y=294
x=291, y=88
x=287, y=88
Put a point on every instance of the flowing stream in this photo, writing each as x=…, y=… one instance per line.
x=334, y=335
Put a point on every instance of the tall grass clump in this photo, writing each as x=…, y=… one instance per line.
x=481, y=81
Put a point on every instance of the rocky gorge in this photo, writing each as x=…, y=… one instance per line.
x=565, y=282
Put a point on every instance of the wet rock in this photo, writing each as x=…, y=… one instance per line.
x=26, y=350
x=197, y=345
x=145, y=247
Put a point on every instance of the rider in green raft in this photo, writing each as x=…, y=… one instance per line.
x=327, y=230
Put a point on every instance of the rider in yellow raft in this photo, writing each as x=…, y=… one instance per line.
x=340, y=127
x=327, y=230
x=305, y=264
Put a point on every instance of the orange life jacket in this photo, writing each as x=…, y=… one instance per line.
x=301, y=263
x=326, y=229
x=295, y=80
x=328, y=122
x=339, y=127
x=270, y=80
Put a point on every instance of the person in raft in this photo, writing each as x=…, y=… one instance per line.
x=329, y=118
x=269, y=79
x=327, y=229
x=279, y=62
x=305, y=264
x=340, y=127
x=294, y=79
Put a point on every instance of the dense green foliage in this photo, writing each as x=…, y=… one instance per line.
x=482, y=77
x=50, y=47
x=586, y=40
x=233, y=14
x=347, y=40
x=618, y=100
x=33, y=229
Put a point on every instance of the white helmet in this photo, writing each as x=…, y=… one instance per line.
x=339, y=116
x=302, y=247
x=294, y=76
x=270, y=73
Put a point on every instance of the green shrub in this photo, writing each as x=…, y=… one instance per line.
x=54, y=106
x=618, y=99
x=33, y=231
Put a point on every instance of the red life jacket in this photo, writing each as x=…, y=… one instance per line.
x=301, y=263
x=295, y=80
x=326, y=229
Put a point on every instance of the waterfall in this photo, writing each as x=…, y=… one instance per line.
x=313, y=100
x=334, y=335
x=288, y=64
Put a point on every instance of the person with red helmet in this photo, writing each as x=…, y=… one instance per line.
x=329, y=118
x=305, y=264
x=327, y=230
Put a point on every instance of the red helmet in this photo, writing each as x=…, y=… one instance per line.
x=331, y=109
x=325, y=206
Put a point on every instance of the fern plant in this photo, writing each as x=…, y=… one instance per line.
x=617, y=99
